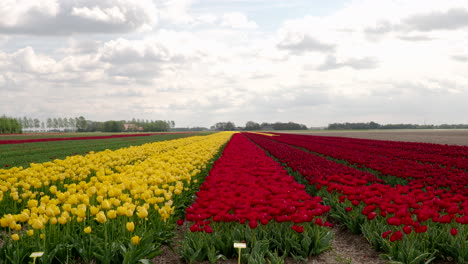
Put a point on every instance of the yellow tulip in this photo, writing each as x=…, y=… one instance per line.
x=15, y=237
x=94, y=210
x=101, y=217
x=37, y=224
x=87, y=230
x=106, y=205
x=111, y=214
x=130, y=226
x=142, y=212
x=136, y=240
x=62, y=220
x=30, y=232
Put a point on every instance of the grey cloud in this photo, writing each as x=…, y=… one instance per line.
x=357, y=64
x=125, y=93
x=134, y=70
x=415, y=38
x=306, y=44
x=460, y=58
x=82, y=16
x=381, y=28
x=452, y=19
x=123, y=51
x=86, y=46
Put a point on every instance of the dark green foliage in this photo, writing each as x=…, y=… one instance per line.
x=271, y=242
x=224, y=126
x=113, y=126
x=251, y=126
x=9, y=125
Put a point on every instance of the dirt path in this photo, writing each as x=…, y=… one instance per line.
x=346, y=248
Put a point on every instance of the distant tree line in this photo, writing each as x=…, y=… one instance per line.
x=134, y=125
x=81, y=124
x=9, y=125
x=252, y=126
x=374, y=125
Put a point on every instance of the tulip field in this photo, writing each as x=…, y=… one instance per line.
x=409, y=200
x=24, y=149
x=277, y=193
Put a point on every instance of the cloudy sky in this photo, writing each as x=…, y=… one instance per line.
x=199, y=62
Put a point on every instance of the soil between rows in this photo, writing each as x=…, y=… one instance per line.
x=346, y=248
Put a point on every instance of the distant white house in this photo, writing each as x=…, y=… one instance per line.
x=132, y=127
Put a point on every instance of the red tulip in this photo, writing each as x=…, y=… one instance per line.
x=386, y=233
x=453, y=231
x=407, y=229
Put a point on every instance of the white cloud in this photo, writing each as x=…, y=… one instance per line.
x=237, y=20
x=175, y=11
x=109, y=15
x=369, y=59
x=52, y=17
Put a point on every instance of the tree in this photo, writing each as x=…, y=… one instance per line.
x=72, y=123
x=60, y=122
x=9, y=125
x=66, y=124
x=81, y=124
x=156, y=126
x=113, y=126
x=225, y=126
x=25, y=122
x=37, y=123
x=288, y=126
x=55, y=122
x=49, y=123
x=252, y=126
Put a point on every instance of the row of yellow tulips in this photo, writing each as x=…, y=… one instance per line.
x=130, y=185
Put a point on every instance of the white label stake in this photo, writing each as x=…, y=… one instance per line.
x=240, y=246
x=35, y=255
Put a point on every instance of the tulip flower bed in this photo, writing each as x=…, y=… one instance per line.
x=249, y=197
x=106, y=207
x=416, y=172
x=59, y=138
x=16, y=155
x=413, y=223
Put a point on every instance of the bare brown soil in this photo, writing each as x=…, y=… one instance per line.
x=439, y=136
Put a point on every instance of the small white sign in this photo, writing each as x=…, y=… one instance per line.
x=240, y=245
x=36, y=254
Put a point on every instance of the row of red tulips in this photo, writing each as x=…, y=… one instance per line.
x=447, y=156
x=246, y=189
x=413, y=223
x=417, y=173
